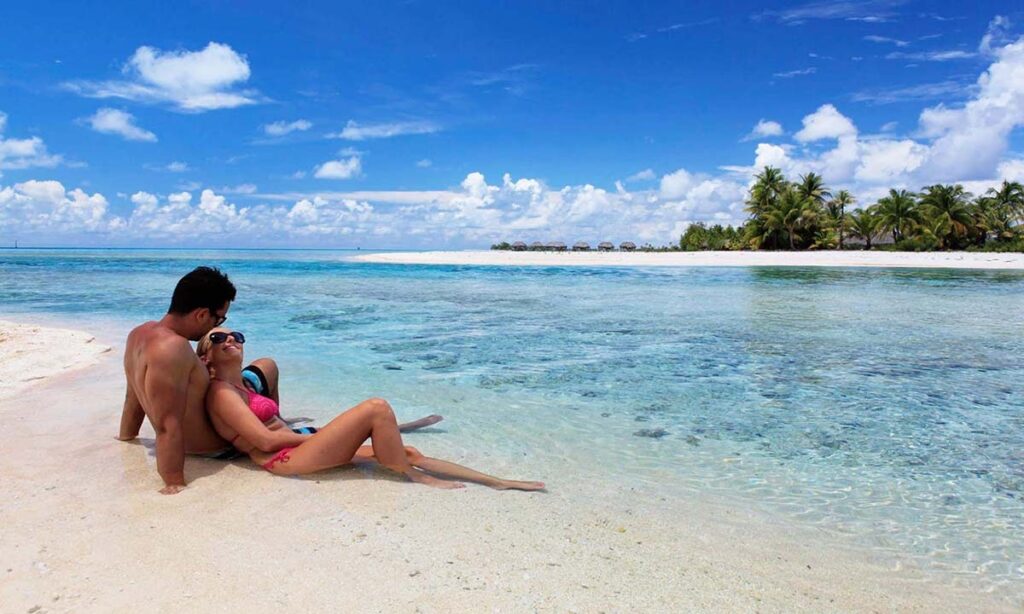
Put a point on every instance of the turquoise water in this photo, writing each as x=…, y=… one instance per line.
x=881, y=404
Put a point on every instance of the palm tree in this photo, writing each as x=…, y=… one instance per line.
x=1011, y=196
x=768, y=186
x=864, y=225
x=897, y=213
x=993, y=216
x=812, y=188
x=949, y=202
x=837, y=211
x=792, y=211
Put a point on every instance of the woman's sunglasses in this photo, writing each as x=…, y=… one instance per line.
x=218, y=337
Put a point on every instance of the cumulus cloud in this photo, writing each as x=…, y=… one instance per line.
x=45, y=207
x=424, y=163
x=764, y=129
x=345, y=168
x=360, y=132
x=191, y=81
x=16, y=154
x=825, y=123
x=113, y=121
x=281, y=128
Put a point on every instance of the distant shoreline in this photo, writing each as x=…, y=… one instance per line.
x=874, y=259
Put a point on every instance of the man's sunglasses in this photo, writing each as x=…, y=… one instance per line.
x=218, y=337
x=220, y=319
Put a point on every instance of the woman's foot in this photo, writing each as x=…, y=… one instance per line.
x=518, y=485
x=422, y=422
x=422, y=478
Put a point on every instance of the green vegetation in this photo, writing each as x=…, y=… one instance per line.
x=806, y=215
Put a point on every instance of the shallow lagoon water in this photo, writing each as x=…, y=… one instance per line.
x=881, y=404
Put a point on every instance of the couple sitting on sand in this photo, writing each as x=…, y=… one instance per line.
x=202, y=402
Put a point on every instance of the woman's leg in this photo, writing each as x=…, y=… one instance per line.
x=452, y=470
x=338, y=441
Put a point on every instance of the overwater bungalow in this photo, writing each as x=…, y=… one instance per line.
x=556, y=246
x=519, y=246
x=536, y=246
x=627, y=246
x=581, y=246
x=605, y=246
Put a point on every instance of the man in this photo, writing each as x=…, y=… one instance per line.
x=167, y=383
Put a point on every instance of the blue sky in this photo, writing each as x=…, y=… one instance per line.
x=420, y=125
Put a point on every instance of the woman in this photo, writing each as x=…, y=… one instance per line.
x=251, y=422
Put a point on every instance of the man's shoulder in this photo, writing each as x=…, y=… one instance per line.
x=159, y=342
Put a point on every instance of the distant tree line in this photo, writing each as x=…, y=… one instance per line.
x=806, y=215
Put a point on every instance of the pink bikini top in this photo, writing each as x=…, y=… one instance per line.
x=262, y=407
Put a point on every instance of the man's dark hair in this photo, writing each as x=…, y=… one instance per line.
x=203, y=288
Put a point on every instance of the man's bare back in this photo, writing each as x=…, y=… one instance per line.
x=151, y=343
x=166, y=382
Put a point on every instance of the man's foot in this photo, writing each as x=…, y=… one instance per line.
x=418, y=424
x=518, y=485
x=422, y=478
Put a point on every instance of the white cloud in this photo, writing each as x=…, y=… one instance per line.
x=45, y=207
x=17, y=154
x=281, y=128
x=361, y=132
x=346, y=168
x=996, y=36
x=764, y=129
x=113, y=121
x=885, y=39
x=192, y=81
x=424, y=163
x=177, y=167
x=970, y=141
x=825, y=123
x=645, y=175
x=932, y=56
x=789, y=74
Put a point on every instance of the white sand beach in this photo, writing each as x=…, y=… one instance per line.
x=883, y=259
x=84, y=529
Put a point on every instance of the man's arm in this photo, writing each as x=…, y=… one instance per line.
x=132, y=414
x=167, y=388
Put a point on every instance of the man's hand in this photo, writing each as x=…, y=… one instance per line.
x=172, y=489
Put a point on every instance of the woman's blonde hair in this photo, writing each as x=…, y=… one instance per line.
x=204, y=344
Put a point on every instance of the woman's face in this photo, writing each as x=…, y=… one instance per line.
x=226, y=352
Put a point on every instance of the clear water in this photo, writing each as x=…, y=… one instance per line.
x=883, y=404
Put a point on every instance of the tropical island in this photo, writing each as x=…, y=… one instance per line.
x=807, y=215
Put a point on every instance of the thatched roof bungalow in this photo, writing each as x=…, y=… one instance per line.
x=536, y=246
x=627, y=246
x=605, y=246
x=519, y=246
x=581, y=246
x=556, y=246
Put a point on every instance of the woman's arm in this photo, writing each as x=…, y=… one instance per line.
x=224, y=403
